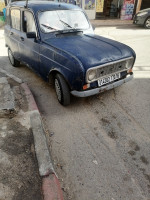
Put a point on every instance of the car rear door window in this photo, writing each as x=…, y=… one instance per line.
x=7, y=17
x=15, y=19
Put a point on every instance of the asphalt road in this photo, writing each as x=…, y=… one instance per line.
x=100, y=145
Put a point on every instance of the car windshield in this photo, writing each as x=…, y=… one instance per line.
x=60, y=20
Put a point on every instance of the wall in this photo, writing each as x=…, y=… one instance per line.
x=138, y=6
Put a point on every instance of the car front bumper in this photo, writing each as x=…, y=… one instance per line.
x=101, y=89
x=139, y=20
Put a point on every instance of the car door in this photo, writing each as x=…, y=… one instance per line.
x=14, y=33
x=29, y=47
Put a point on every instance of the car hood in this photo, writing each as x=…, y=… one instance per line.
x=91, y=50
x=145, y=10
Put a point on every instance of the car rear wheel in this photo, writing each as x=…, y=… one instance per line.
x=62, y=90
x=147, y=23
x=13, y=61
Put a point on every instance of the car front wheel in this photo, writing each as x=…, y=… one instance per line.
x=147, y=23
x=62, y=90
x=13, y=61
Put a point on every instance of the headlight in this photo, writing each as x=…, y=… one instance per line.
x=91, y=75
x=129, y=63
x=141, y=14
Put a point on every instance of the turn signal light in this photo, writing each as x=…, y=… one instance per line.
x=86, y=86
x=130, y=71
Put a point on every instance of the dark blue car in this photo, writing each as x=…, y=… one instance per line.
x=57, y=41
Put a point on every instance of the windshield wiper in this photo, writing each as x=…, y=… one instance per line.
x=68, y=31
x=66, y=24
x=62, y=31
x=49, y=27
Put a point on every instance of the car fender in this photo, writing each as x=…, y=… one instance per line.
x=61, y=63
x=55, y=71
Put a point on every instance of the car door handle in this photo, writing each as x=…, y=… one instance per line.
x=11, y=33
x=22, y=38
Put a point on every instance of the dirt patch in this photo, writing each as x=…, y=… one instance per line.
x=147, y=176
x=20, y=172
x=20, y=98
x=105, y=121
x=134, y=146
x=112, y=134
x=144, y=160
x=132, y=153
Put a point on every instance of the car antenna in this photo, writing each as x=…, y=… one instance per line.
x=26, y=4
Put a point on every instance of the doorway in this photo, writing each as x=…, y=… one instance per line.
x=111, y=9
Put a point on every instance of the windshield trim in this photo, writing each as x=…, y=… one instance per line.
x=67, y=30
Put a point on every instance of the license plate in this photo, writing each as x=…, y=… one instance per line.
x=108, y=79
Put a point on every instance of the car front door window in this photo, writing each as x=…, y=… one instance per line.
x=29, y=47
x=29, y=23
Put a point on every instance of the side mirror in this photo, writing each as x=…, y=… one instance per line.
x=31, y=35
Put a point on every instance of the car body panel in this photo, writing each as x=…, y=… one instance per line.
x=140, y=20
x=29, y=51
x=12, y=40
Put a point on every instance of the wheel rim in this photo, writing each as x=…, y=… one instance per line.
x=11, y=57
x=147, y=23
x=58, y=90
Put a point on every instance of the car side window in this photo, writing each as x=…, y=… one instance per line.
x=28, y=22
x=15, y=19
x=7, y=17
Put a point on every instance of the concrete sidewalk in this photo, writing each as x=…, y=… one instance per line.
x=110, y=22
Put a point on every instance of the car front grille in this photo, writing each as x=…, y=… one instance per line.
x=110, y=69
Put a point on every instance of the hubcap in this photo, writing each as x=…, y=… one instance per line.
x=11, y=57
x=58, y=90
x=147, y=24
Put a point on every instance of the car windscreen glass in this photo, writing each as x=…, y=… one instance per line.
x=60, y=20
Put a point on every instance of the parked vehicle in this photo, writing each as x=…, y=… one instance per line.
x=58, y=42
x=143, y=18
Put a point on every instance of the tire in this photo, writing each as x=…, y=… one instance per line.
x=147, y=23
x=13, y=61
x=62, y=90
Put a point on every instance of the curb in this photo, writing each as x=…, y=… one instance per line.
x=50, y=184
x=31, y=102
x=41, y=147
x=18, y=80
x=51, y=188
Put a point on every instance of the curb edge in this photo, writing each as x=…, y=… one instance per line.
x=15, y=78
x=51, y=188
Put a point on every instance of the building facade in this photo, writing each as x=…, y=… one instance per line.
x=103, y=9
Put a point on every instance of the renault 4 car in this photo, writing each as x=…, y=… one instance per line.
x=57, y=41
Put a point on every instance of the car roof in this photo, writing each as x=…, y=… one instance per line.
x=44, y=5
